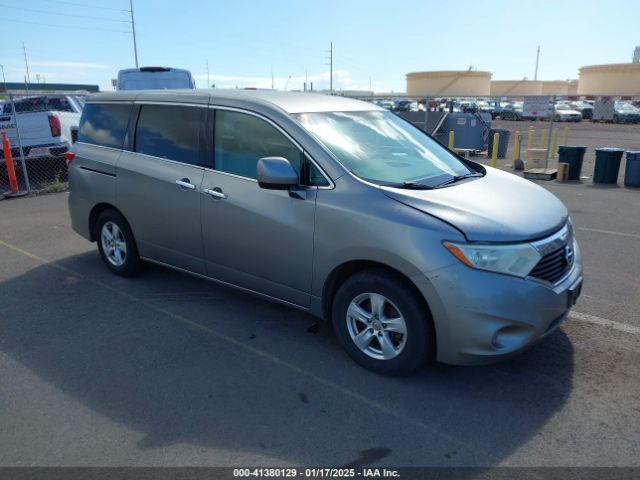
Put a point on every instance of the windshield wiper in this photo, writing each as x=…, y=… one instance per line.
x=457, y=178
x=413, y=186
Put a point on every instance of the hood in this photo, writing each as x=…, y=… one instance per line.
x=499, y=207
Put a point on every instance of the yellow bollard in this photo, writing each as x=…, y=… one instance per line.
x=451, y=139
x=516, y=146
x=530, y=139
x=543, y=138
x=565, y=136
x=554, y=143
x=494, y=151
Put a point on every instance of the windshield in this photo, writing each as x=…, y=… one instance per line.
x=627, y=107
x=382, y=148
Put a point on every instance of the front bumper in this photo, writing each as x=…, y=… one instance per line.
x=482, y=317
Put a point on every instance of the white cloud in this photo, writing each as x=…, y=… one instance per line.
x=341, y=81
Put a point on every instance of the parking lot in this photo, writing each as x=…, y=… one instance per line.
x=586, y=133
x=167, y=369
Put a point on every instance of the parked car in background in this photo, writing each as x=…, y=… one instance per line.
x=565, y=113
x=154, y=78
x=386, y=104
x=46, y=124
x=491, y=107
x=331, y=205
x=585, y=108
x=625, y=112
x=468, y=106
x=511, y=111
x=401, y=106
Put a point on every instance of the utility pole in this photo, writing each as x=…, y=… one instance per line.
x=306, y=79
x=4, y=80
x=133, y=31
x=26, y=63
x=535, y=75
x=208, y=81
x=331, y=68
x=370, y=89
x=272, y=82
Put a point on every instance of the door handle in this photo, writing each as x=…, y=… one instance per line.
x=185, y=183
x=216, y=192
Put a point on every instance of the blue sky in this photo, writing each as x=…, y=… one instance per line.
x=85, y=41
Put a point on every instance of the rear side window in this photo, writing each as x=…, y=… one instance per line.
x=40, y=104
x=240, y=140
x=170, y=132
x=104, y=124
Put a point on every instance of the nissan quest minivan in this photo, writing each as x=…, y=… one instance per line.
x=333, y=206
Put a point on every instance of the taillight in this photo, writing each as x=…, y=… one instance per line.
x=54, y=125
x=68, y=157
x=154, y=69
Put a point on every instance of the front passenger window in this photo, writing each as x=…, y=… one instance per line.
x=240, y=140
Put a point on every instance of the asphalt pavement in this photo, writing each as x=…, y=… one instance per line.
x=167, y=369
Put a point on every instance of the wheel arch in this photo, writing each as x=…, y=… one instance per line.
x=347, y=269
x=95, y=214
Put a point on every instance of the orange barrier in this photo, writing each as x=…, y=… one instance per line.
x=8, y=161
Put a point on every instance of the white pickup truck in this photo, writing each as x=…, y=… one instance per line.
x=47, y=124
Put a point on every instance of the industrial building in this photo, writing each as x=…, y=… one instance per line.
x=449, y=83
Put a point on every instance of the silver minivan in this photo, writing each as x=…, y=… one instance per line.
x=333, y=206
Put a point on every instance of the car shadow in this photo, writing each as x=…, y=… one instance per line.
x=256, y=379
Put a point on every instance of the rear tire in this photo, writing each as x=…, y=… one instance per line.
x=116, y=244
x=382, y=324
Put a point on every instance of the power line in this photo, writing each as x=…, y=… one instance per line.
x=49, y=12
x=77, y=4
x=63, y=26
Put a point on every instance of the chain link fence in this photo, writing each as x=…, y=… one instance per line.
x=38, y=131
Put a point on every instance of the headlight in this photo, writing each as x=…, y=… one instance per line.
x=517, y=260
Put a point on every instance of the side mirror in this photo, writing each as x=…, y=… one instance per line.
x=276, y=173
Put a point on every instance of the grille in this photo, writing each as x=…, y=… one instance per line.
x=552, y=266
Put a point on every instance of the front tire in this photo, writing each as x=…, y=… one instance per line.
x=382, y=324
x=116, y=244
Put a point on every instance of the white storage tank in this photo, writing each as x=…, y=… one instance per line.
x=515, y=88
x=449, y=83
x=611, y=79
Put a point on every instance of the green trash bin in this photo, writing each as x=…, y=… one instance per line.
x=607, y=165
x=572, y=155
